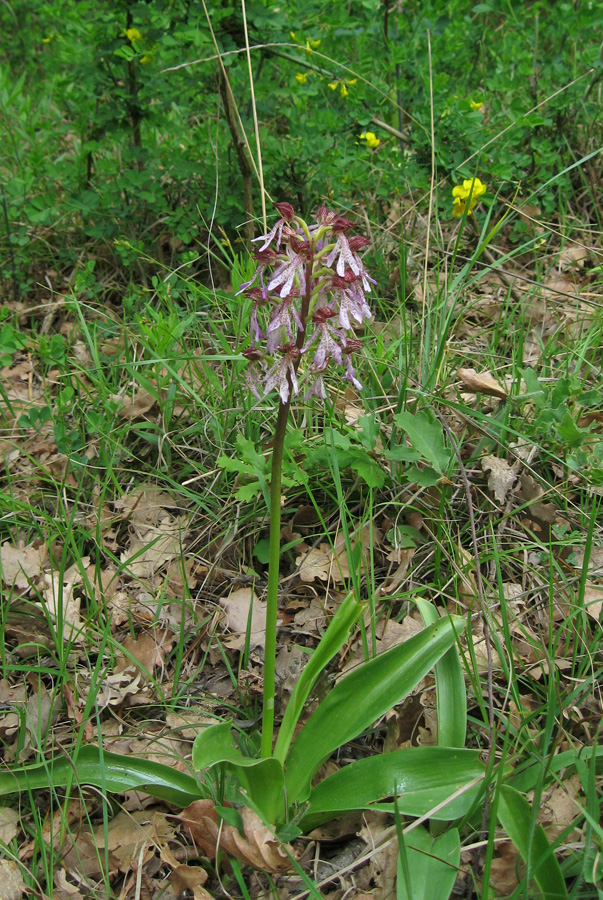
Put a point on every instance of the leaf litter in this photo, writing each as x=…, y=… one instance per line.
x=164, y=575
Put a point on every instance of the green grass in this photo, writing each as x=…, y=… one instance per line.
x=133, y=492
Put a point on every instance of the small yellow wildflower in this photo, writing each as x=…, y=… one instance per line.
x=467, y=193
x=476, y=105
x=146, y=59
x=293, y=36
x=48, y=39
x=371, y=139
x=132, y=34
x=302, y=77
x=343, y=90
x=351, y=80
x=311, y=45
x=333, y=85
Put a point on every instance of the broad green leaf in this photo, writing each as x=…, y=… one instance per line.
x=262, y=778
x=421, y=778
x=363, y=696
x=426, y=436
x=433, y=865
x=109, y=771
x=514, y=815
x=451, y=705
x=337, y=633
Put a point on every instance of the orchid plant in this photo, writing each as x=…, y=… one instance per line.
x=309, y=292
x=310, y=286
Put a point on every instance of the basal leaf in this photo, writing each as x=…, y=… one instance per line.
x=515, y=816
x=108, y=771
x=262, y=778
x=363, y=696
x=433, y=865
x=421, y=777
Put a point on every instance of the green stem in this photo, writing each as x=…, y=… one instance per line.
x=274, y=549
x=274, y=555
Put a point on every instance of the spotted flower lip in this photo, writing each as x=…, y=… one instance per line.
x=308, y=294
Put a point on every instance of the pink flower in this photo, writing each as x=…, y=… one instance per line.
x=287, y=214
x=280, y=373
x=291, y=268
x=266, y=257
x=344, y=255
x=351, y=300
x=329, y=338
x=280, y=323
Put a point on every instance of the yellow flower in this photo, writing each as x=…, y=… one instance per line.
x=293, y=36
x=302, y=77
x=146, y=59
x=132, y=34
x=476, y=105
x=371, y=139
x=351, y=80
x=333, y=85
x=314, y=44
x=467, y=193
x=343, y=90
x=48, y=39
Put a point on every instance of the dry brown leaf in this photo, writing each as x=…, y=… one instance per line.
x=573, y=257
x=403, y=556
x=149, y=649
x=21, y=565
x=376, y=880
x=481, y=383
x=595, y=560
x=561, y=806
x=593, y=600
x=257, y=846
x=237, y=606
x=150, y=547
x=502, y=476
x=38, y=710
x=9, y=827
x=63, y=890
x=12, y=886
x=323, y=562
x=505, y=868
x=132, y=406
x=61, y=603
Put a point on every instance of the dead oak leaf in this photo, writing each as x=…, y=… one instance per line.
x=11, y=879
x=237, y=606
x=481, y=383
x=256, y=846
x=324, y=562
x=502, y=476
x=149, y=650
x=20, y=565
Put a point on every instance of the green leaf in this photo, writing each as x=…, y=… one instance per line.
x=369, y=470
x=109, y=771
x=451, y=695
x=263, y=779
x=515, y=816
x=362, y=697
x=433, y=863
x=426, y=436
x=421, y=777
x=337, y=633
x=566, y=762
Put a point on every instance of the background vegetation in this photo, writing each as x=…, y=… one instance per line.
x=133, y=498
